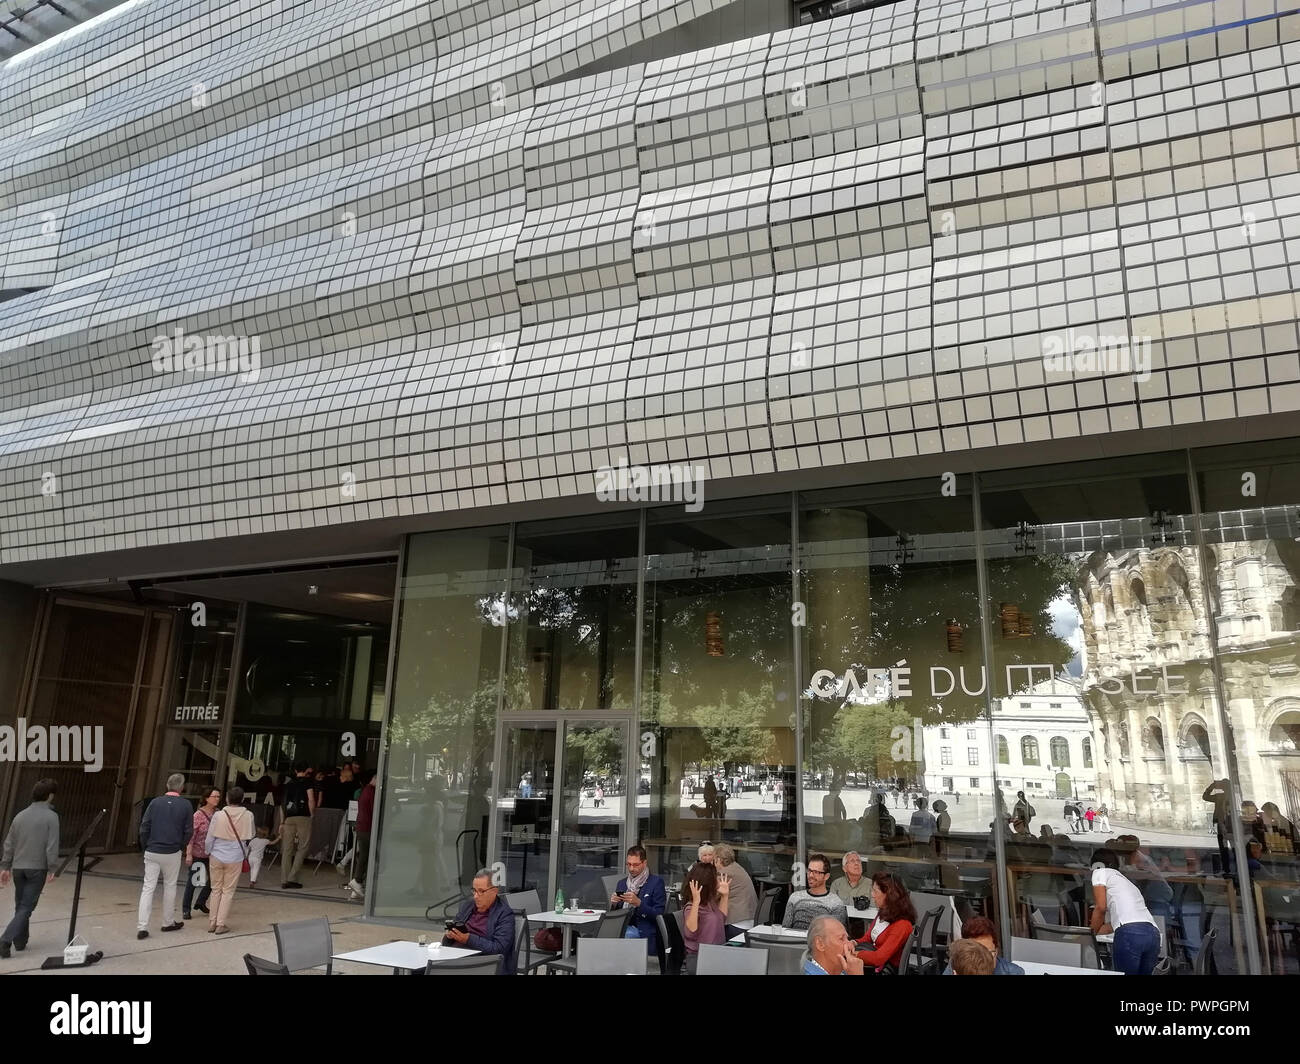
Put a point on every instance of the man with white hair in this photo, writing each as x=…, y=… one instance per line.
x=830, y=950
x=744, y=898
x=165, y=831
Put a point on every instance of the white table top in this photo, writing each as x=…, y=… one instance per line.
x=581, y=916
x=863, y=914
x=1038, y=968
x=410, y=955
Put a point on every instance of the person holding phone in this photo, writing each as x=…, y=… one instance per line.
x=644, y=892
x=485, y=922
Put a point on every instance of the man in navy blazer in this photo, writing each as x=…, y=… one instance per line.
x=489, y=923
x=645, y=893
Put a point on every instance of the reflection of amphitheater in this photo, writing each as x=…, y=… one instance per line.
x=1149, y=686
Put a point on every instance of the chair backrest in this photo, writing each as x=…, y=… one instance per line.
x=611, y=956
x=614, y=923
x=1072, y=934
x=1205, y=964
x=925, y=902
x=610, y=883
x=785, y=955
x=489, y=964
x=305, y=944
x=1044, y=951
x=765, y=904
x=728, y=960
x=261, y=966
x=905, y=957
x=670, y=937
x=527, y=902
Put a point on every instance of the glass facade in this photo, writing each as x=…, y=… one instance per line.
x=976, y=682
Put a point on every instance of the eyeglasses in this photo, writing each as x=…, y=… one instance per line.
x=818, y=872
x=484, y=890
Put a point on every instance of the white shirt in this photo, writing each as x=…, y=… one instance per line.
x=1124, y=904
x=877, y=929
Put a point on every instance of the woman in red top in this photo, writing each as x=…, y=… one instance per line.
x=895, y=916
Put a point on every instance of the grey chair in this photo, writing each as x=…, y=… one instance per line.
x=728, y=960
x=765, y=905
x=905, y=957
x=261, y=966
x=612, y=925
x=525, y=903
x=610, y=883
x=927, y=954
x=304, y=944
x=485, y=965
x=674, y=946
x=1075, y=935
x=611, y=956
x=785, y=955
x=1165, y=967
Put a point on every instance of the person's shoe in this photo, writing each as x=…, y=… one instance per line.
x=20, y=946
x=173, y=927
x=355, y=887
x=341, y=868
x=203, y=909
x=4, y=950
x=186, y=916
x=211, y=928
x=142, y=934
x=252, y=884
x=293, y=886
x=223, y=930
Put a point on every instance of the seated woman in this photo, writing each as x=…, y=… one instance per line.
x=887, y=934
x=705, y=898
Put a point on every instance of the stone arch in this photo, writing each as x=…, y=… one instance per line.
x=1194, y=736
x=1281, y=724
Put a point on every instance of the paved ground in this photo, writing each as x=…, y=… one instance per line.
x=106, y=918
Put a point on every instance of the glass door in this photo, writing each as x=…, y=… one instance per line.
x=561, y=808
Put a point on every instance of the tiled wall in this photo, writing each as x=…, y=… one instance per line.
x=472, y=282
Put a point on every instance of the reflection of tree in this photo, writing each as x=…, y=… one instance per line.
x=600, y=750
x=459, y=730
x=862, y=739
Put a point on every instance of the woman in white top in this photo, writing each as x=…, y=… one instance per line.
x=230, y=829
x=1119, y=907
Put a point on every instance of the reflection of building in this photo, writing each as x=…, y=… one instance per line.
x=1150, y=688
x=1043, y=741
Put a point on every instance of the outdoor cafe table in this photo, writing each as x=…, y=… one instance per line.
x=1038, y=968
x=566, y=921
x=790, y=933
x=404, y=956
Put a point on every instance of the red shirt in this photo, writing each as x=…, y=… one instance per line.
x=889, y=945
x=366, y=808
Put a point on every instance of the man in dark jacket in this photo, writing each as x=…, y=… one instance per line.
x=645, y=892
x=489, y=923
x=165, y=831
x=31, y=850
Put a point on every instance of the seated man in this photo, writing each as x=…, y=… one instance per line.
x=645, y=892
x=817, y=900
x=970, y=958
x=830, y=950
x=489, y=923
x=980, y=929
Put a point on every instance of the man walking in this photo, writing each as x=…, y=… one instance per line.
x=30, y=851
x=165, y=832
x=295, y=833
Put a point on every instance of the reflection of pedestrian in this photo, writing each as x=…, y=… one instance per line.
x=1219, y=793
x=956, y=797
x=711, y=796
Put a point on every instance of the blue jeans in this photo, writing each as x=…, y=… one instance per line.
x=1136, y=949
x=28, y=884
x=651, y=937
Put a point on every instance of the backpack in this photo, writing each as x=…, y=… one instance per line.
x=295, y=798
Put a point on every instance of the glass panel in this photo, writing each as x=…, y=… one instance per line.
x=898, y=757
x=1249, y=497
x=591, y=827
x=1100, y=637
x=443, y=718
x=717, y=724
x=573, y=618
x=526, y=789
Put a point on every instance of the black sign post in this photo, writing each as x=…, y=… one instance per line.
x=80, y=850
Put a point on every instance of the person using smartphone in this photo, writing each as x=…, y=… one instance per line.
x=485, y=923
x=645, y=893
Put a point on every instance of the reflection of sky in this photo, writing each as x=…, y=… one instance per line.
x=1066, y=626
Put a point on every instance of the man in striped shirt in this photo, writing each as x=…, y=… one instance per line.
x=805, y=906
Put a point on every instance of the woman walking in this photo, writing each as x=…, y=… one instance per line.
x=229, y=831
x=197, y=854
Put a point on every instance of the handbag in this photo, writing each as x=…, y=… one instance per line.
x=245, y=867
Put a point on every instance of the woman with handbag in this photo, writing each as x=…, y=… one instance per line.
x=196, y=854
x=228, y=855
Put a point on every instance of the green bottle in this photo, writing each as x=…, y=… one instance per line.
x=559, y=901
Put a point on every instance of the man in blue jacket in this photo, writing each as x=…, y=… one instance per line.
x=643, y=891
x=489, y=923
x=165, y=831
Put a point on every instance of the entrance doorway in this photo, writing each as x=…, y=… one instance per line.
x=561, y=814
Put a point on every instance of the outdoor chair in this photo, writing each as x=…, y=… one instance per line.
x=611, y=925
x=305, y=944
x=526, y=903
x=728, y=960
x=261, y=966
x=611, y=956
x=785, y=955
x=486, y=965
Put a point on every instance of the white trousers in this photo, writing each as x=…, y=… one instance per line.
x=168, y=866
